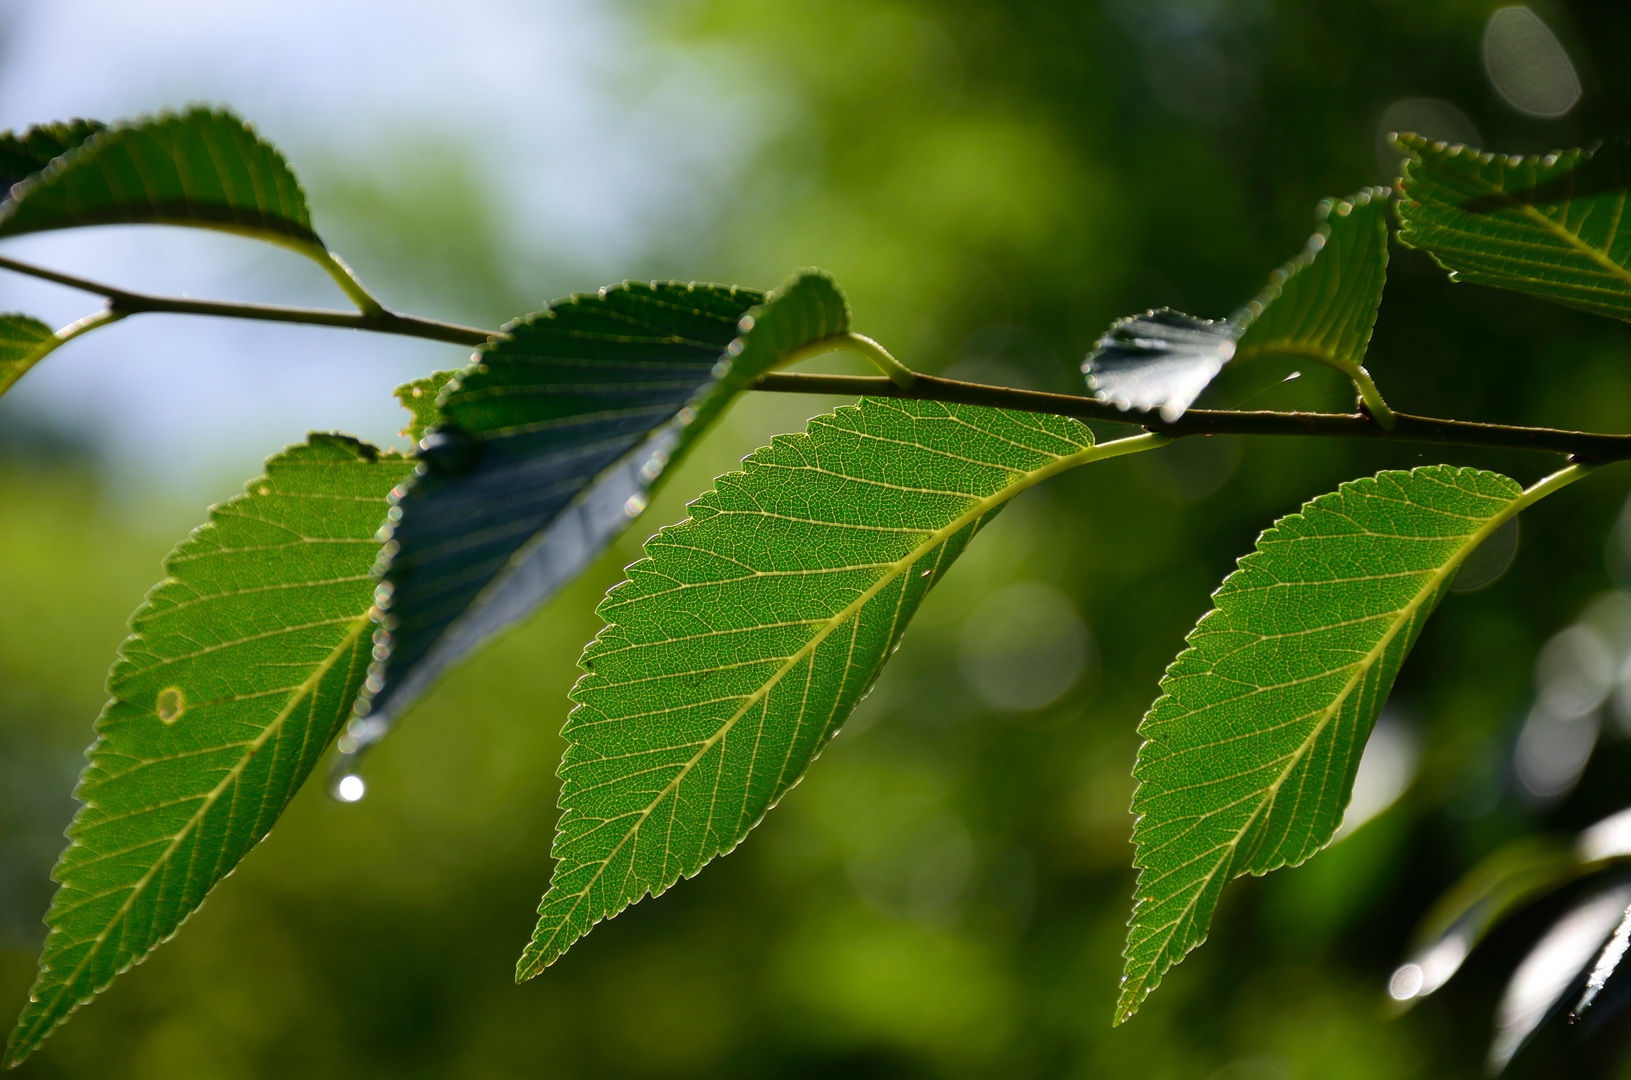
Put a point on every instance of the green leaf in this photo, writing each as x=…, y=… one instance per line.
x=23, y=341
x=555, y=438
x=1320, y=306
x=23, y=155
x=419, y=397
x=1548, y=226
x=1252, y=747
x=201, y=167
x=241, y=664
x=742, y=641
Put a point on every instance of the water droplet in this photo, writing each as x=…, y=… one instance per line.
x=635, y=506
x=350, y=788
x=171, y=704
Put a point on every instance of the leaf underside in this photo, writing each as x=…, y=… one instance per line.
x=1252, y=747
x=23, y=340
x=200, y=167
x=1321, y=305
x=565, y=428
x=241, y=664
x=742, y=641
x=1549, y=226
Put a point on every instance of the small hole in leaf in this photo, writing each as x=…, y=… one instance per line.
x=171, y=704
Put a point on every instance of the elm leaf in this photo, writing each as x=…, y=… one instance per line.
x=1251, y=750
x=746, y=635
x=1320, y=306
x=1547, y=225
x=240, y=667
x=551, y=445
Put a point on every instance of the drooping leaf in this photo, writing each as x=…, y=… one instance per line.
x=201, y=167
x=1252, y=747
x=554, y=440
x=26, y=153
x=1320, y=306
x=23, y=340
x=1507, y=880
x=1554, y=966
x=742, y=641
x=240, y=667
x=1550, y=226
x=419, y=398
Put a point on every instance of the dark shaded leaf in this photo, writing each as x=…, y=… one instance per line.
x=552, y=444
x=24, y=154
x=201, y=167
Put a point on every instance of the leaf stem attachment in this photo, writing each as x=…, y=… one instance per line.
x=897, y=372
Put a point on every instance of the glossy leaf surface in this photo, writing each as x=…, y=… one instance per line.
x=1550, y=226
x=1252, y=747
x=556, y=437
x=742, y=641
x=240, y=667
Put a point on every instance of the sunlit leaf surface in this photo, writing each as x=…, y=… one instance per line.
x=1320, y=306
x=554, y=440
x=1252, y=747
x=1550, y=226
x=240, y=666
x=744, y=638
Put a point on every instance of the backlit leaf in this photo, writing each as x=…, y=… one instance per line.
x=742, y=641
x=1320, y=306
x=240, y=667
x=201, y=167
x=1252, y=747
x=1550, y=226
x=23, y=341
x=555, y=438
x=419, y=398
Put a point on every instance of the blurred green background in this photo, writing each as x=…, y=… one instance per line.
x=945, y=895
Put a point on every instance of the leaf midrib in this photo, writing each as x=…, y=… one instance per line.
x=251, y=750
x=937, y=538
x=1360, y=668
x=1573, y=239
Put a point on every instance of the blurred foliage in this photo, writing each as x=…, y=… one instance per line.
x=946, y=895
